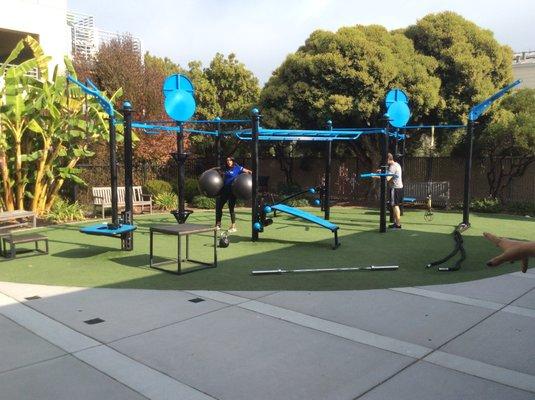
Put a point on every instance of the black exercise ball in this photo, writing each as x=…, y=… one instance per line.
x=242, y=187
x=210, y=183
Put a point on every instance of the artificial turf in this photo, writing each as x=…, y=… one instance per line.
x=93, y=261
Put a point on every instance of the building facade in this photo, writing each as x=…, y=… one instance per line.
x=42, y=19
x=60, y=32
x=524, y=68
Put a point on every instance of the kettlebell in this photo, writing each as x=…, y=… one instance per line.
x=224, y=240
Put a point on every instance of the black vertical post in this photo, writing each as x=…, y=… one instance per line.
x=219, y=161
x=127, y=239
x=384, y=152
x=181, y=179
x=401, y=162
x=255, y=215
x=328, y=162
x=113, y=172
x=468, y=172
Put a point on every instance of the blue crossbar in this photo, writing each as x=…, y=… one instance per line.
x=409, y=199
x=305, y=215
x=373, y=174
x=103, y=230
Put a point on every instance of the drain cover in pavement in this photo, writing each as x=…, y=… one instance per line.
x=196, y=300
x=94, y=321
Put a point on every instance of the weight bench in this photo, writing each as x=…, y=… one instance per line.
x=13, y=241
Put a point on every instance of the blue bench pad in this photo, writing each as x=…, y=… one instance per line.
x=305, y=215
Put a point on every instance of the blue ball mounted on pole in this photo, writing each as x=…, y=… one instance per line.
x=397, y=105
x=177, y=82
x=179, y=105
x=179, y=97
x=399, y=114
x=396, y=95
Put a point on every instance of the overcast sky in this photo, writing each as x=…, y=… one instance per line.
x=262, y=33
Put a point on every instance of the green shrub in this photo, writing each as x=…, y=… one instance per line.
x=521, y=208
x=286, y=189
x=203, y=202
x=243, y=203
x=63, y=211
x=191, y=189
x=298, y=202
x=156, y=186
x=166, y=200
x=486, y=205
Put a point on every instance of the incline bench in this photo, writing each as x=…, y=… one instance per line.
x=102, y=198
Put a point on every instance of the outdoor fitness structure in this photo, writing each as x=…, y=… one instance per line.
x=119, y=228
x=180, y=106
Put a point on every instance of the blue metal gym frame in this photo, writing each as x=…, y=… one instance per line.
x=120, y=229
x=475, y=112
x=256, y=134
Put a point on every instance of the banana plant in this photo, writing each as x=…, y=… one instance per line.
x=46, y=127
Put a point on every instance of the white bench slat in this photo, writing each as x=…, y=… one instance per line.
x=102, y=198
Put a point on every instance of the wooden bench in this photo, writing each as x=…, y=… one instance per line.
x=13, y=241
x=17, y=219
x=102, y=198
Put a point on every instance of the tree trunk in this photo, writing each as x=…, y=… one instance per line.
x=19, y=184
x=6, y=187
x=56, y=186
x=39, y=174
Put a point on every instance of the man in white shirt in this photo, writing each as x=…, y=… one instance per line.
x=396, y=190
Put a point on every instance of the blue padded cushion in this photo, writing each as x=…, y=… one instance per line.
x=102, y=229
x=305, y=215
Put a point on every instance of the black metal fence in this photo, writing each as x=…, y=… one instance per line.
x=346, y=184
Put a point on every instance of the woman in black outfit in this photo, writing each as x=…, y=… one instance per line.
x=230, y=173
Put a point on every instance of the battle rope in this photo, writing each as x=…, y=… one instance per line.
x=459, y=248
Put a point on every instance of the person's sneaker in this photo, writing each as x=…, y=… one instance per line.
x=394, y=226
x=232, y=230
x=217, y=228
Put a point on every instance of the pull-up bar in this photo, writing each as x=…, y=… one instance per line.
x=445, y=126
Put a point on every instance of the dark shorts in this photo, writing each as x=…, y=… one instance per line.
x=396, y=197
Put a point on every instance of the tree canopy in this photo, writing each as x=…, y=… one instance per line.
x=507, y=142
x=237, y=89
x=472, y=65
x=345, y=75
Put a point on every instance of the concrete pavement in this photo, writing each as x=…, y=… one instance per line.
x=473, y=340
